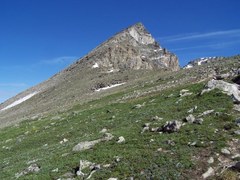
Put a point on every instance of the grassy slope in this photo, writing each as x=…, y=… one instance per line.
x=139, y=158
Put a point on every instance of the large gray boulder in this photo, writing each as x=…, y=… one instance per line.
x=228, y=88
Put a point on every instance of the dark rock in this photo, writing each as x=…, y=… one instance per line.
x=171, y=126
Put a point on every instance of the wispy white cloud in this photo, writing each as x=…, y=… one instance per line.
x=207, y=35
x=13, y=84
x=216, y=46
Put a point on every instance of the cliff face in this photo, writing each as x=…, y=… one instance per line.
x=133, y=48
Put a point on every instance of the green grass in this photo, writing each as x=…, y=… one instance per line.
x=139, y=158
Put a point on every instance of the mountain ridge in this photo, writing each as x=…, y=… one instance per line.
x=108, y=64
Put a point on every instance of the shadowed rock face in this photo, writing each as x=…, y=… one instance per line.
x=133, y=48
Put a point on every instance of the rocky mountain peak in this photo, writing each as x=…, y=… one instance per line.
x=132, y=48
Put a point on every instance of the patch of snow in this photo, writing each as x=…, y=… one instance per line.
x=188, y=66
x=95, y=66
x=109, y=87
x=21, y=100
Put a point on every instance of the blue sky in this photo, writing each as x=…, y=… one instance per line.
x=38, y=38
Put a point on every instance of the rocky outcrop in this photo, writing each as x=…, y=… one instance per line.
x=133, y=48
x=201, y=61
x=231, y=89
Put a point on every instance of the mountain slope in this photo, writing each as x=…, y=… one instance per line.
x=161, y=127
x=115, y=61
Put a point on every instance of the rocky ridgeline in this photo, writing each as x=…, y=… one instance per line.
x=201, y=61
x=133, y=48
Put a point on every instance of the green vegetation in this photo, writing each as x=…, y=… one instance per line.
x=180, y=155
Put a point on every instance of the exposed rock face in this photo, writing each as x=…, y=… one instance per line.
x=133, y=48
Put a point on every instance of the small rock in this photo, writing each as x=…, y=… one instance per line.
x=137, y=106
x=156, y=118
x=55, y=170
x=206, y=112
x=237, y=132
x=107, y=165
x=225, y=151
x=107, y=137
x=33, y=168
x=85, y=145
x=171, y=126
x=185, y=92
x=190, y=118
x=192, y=109
x=208, y=173
x=210, y=160
x=112, y=178
x=198, y=121
x=64, y=141
x=236, y=167
x=121, y=139
x=104, y=130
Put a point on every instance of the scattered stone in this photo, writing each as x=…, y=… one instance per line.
x=237, y=132
x=171, y=126
x=208, y=173
x=178, y=101
x=9, y=140
x=117, y=159
x=225, y=151
x=65, y=154
x=63, y=141
x=236, y=107
x=156, y=118
x=198, y=121
x=107, y=137
x=107, y=165
x=185, y=92
x=238, y=122
x=104, y=130
x=236, y=167
x=222, y=76
x=169, y=96
x=137, y=106
x=31, y=162
x=190, y=118
x=170, y=142
x=192, y=109
x=230, y=89
x=82, y=165
x=89, y=144
x=86, y=145
x=206, y=113
x=112, y=178
x=33, y=168
x=210, y=160
x=192, y=144
x=121, y=139
x=55, y=170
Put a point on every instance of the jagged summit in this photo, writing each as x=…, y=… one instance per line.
x=132, y=48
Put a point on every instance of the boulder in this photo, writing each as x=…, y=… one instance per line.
x=208, y=173
x=171, y=126
x=231, y=89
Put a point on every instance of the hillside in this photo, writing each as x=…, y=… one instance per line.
x=101, y=120
x=115, y=61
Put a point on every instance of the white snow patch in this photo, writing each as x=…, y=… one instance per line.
x=188, y=66
x=15, y=103
x=109, y=87
x=202, y=61
x=95, y=66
